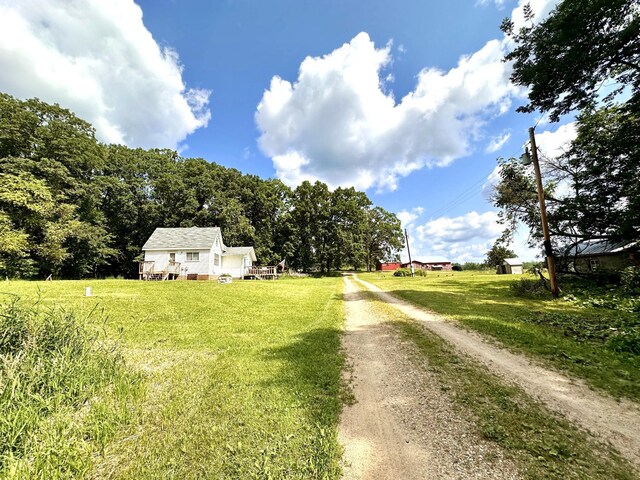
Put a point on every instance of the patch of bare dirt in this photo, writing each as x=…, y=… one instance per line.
x=610, y=420
x=402, y=425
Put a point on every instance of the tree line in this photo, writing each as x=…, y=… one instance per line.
x=73, y=207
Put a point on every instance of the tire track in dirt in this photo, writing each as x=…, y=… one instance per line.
x=610, y=420
x=403, y=425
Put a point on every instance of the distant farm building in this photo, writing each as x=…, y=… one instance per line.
x=193, y=254
x=388, y=266
x=589, y=256
x=510, y=266
x=430, y=264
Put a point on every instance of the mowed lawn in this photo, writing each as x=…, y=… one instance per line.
x=240, y=380
x=560, y=333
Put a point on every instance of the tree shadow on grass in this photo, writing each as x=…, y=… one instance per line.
x=311, y=373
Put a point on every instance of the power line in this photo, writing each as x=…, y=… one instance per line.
x=471, y=190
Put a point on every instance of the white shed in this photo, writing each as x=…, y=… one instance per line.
x=510, y=266
x=193, y=254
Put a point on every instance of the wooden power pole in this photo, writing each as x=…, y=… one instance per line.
x=406, y=237
x=548, y=251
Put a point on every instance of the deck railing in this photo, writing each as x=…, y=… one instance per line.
x=173, y=267
x=261, y=272
x=148, y=271
x=147, y=267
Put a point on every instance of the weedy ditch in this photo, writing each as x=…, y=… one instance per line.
x=65, y=391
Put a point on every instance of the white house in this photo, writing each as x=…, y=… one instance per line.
x=193, y=254
x=510, y=266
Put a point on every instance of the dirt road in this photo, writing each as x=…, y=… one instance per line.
x=402, y=425
x=617, y=422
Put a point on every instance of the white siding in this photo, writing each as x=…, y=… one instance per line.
x=234, y=264
x=200, y=267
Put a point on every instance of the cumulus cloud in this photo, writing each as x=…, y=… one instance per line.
x=408, y=217
x=498, y=142
x=340, y=123
x=470, y=226
x=460, y=239
x=465, y=238
x=98, y=59
x=336, y=122
x=553, y=143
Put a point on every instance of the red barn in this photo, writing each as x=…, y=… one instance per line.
x=388, y=266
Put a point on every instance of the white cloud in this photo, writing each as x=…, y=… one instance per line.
x=407, y=218
x=461, y=229
x=458, y=239
x=552, y=144
x=465, y=238
x=498, y=142
x=98, y=59
x=337, y=124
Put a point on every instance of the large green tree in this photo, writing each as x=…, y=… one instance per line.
x=72, y=207
x=569, y=61
x=497, y=255
x=566, y=59
x=383, y=237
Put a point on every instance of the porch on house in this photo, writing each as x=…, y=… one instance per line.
x=150, y=271
x=261, y=273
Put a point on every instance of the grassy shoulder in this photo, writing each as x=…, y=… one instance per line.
x=65, y=391
x=541, y=442
x=243, y=380
x=539, y=327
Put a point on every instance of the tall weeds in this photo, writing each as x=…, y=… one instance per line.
x=64, y=391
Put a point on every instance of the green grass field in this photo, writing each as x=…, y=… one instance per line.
x=240, y=380
x=564, y=335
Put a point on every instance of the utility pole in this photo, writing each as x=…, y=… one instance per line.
x=548, y=251
x=406, y=237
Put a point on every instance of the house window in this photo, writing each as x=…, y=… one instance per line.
x=594, y=263
x=216, y=259
x=193, y=256
x=172, y=257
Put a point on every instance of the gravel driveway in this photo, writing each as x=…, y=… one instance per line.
x=386, y=392
x=403, y=425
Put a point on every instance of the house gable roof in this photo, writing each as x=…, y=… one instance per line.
x=182, y=238
x=513, y=261
x=601, y=247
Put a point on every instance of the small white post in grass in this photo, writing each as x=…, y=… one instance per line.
x=87, y=291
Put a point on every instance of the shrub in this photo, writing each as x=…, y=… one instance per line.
x=630, y=279
x=63, y=389
x=619, y=334
x=625, y=341
x=457, y=268
x=526, y=287
x=406, y=272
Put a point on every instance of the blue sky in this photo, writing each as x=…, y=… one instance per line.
x=407, y=100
